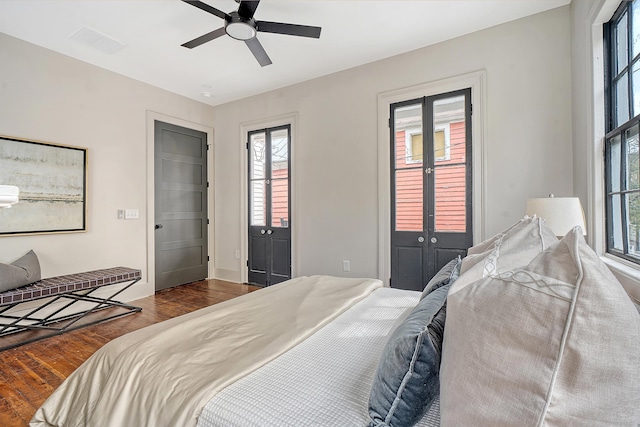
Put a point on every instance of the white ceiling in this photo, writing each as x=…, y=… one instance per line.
x=353, y=33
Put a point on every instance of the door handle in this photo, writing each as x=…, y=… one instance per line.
x=269, y=231
x=420, y=239
x=158, y=226
x=262, y=231
x=434, y=240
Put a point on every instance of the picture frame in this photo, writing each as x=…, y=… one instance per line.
x=52, y=183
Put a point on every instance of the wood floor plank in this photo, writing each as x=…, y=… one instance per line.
x=30, y=373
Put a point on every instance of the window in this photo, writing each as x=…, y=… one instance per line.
x=441, y=144
x=413, y=141
x=622, y=154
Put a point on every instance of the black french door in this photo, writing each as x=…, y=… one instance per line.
x=430, y=185
x=269, y=259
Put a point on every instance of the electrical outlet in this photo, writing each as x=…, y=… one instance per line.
x=346, y=265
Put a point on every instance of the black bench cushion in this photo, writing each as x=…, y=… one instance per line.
x=72, y=282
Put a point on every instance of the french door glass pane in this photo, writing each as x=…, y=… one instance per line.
x=280, y=202
x=409, y=200
x=258, y=208
x=279, y=178
x=622, y=100
x=616, y=222
x=450, y=195
x=257, y=155
x=450, y=171
x=280, y=154
x=633, y=221
x=631, y=136
x=450, y=131
x=614, y=162
x=408, y=137
x=621, y=44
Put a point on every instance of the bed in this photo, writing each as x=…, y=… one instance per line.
x=504, y=336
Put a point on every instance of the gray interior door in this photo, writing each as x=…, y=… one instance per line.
x=431, y=185
x=269, y=260
x=181, y=253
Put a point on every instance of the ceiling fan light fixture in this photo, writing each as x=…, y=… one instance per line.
x=240, y=28
x=240, y=25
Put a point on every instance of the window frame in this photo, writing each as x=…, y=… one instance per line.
x=613, y=73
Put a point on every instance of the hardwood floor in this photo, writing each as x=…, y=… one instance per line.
x=30, y=373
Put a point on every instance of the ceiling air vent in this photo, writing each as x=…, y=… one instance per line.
x=97, y=40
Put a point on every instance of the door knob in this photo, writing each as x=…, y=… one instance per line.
x=262, y=231
x=158, y=226
x=269, y=231
x=434, y=240
x=420, y=239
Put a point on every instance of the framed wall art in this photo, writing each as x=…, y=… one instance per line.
x=52, y=184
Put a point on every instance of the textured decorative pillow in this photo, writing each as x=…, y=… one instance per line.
x=513, y=248
x=407, y=379
x=447, y=274
x=21, y=272
x=552, y=344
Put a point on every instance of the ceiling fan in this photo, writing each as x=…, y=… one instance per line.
x=241, y=25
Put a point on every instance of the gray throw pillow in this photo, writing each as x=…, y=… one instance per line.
x=447, y=274
x=407, y=379
x=19, y=273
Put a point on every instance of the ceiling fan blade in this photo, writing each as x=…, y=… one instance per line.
x=248, y=8
x=289, y=29
x=258, y=51
x=207, y=8
x=205, y=38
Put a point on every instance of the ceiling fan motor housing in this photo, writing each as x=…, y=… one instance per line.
x=239, y=27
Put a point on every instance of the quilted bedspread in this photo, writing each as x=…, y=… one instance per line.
x=164, y=374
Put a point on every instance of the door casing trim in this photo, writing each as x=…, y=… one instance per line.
x=477, y=82
x=245, y=128
x=152, y=116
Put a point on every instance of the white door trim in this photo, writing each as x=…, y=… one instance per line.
x=245, y=128
x=477, y=82
x=152, y=116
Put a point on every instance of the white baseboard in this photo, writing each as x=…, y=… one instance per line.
x=228, y=275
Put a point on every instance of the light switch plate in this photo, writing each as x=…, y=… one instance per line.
x=131, y=214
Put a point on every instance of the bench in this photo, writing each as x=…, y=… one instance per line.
x=69, y=289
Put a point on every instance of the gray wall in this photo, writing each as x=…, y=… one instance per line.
x=528, y=144
x=50, y=97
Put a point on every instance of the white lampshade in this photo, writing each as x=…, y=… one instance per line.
x=561, y=214
x=8, y=195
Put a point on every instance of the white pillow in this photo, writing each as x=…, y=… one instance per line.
x=553, y=344
x=513, y=248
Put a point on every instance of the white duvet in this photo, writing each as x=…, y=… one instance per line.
x=164, y=374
